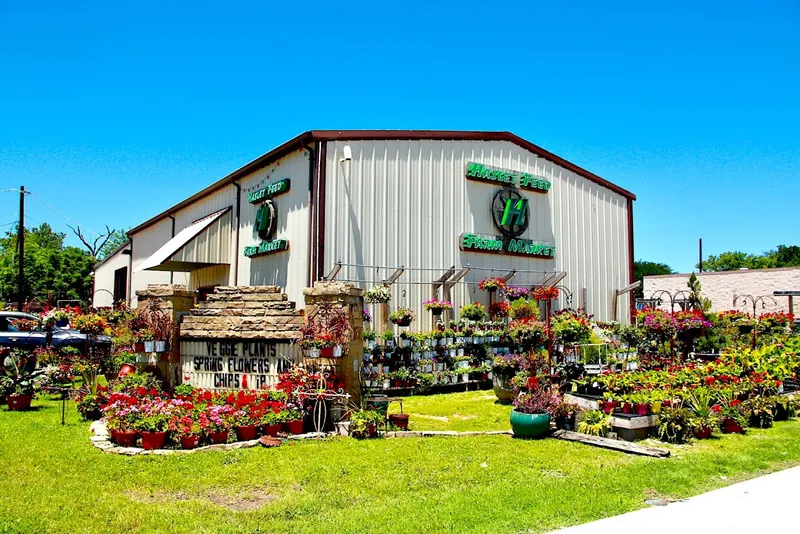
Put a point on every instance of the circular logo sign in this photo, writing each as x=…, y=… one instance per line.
x=266, y=219
x=510, y=212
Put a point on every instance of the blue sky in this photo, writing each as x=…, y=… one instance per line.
x=113, y=114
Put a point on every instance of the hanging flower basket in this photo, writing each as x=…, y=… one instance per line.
x=491, y=284
x=436, y=306
x=545, y=293
x=378, y=295
x=402, y=316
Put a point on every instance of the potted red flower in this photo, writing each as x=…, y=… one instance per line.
x=216, y=422
x=292, y=419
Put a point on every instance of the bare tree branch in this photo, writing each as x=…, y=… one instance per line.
x=93, y=246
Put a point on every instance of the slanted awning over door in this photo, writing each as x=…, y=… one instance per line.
x=203, y=243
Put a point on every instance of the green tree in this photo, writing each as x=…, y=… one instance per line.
x=117, y=238
x=783, y=256
x=643, y=268
x=52, y=271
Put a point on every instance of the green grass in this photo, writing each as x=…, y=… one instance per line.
x=53, y=480
x=462, y=412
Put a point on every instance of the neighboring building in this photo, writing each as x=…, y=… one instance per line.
x=378, y=200
x=111, y=277
x=722, y=288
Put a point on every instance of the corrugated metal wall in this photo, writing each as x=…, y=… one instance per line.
x=104, y=279
x=145, y=243
x=406, y=203
x=212, y=245
x=286, y=269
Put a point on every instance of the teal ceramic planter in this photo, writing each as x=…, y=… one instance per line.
x=530, y=425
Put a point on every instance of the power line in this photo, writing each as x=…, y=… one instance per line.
x=9, y=190
x=73, y=221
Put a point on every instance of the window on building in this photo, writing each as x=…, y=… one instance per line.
x=121, y=284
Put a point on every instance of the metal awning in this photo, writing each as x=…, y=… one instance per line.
x=203, y=243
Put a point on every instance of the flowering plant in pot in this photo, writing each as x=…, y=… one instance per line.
x=531, y=414
x=216, y=422
x=120, y=414
x=58, y=316
x=528, y=334
x=91, y=324
x=774, y=321
x=292, y=419
x=500, y=310
x=473, y=312
x=491, y=284
x=543, y=293
x=271, y=420
x=24, y=325
x=701, y=402
x=524, y=309
x=366, y=316
x=571, y=327
x=760, y=411
x=19, y=379
x=436, y=306
x=676, y=425
x=186, y=429
x=364, y=423
x=513, y=293
x=732, y=416
x=378, y=294
x=153, y=422
x=565, y=414
x=124, y=362
x=402, y=316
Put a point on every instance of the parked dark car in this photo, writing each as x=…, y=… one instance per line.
x=12, y=337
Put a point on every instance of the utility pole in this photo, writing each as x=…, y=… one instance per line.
x=700, y=265
x=21, y=245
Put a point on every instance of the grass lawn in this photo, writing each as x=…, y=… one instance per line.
x=53, y=480
x=462, y=412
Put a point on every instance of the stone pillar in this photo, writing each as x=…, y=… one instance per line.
x=351, y=299
x=175, y=300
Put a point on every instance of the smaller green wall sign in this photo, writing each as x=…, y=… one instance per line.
x=484, y=173
x=505, y=245
x=267, y=247
x=271, y=190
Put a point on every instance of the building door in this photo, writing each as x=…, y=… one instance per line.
x=120, y=285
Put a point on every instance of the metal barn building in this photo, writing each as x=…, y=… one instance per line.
x=448, y=207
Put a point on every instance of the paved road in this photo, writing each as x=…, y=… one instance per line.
x=763, y=504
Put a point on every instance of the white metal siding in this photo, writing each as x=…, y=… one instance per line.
x=104, y=279
x=406, y=203
x=212, y=245
x=286, y=269
x=145, y=243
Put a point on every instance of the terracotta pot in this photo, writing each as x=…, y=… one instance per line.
x=730, y=426
x=642, y=408
x=246, y=433
x=400, y=420
x=17, y=403
x=294, y=427
x=218, y=437
x=125, y=439
x=189, y=442
x=703, y=433
x=126, y=369
x=153, y=440
x=271, y=430
x=608, y=406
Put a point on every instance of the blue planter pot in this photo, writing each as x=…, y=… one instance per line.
x=530, y=425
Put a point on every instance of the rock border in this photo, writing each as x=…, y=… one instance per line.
x=101, y=439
